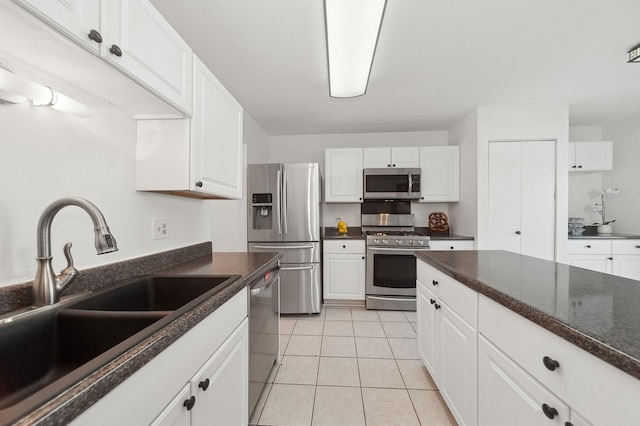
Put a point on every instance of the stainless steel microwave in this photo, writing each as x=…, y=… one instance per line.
x=392, y=184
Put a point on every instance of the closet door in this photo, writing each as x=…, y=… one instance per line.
x=505, y=192
x=522, y=197
x=538, y=199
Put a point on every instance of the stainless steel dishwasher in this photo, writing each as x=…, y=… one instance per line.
x=264, y=331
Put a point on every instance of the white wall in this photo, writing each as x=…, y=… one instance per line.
x=524, y=123
x=47, y=155
x=229, y=217
x=310, y=149
x=463, y=215
x=625, y=207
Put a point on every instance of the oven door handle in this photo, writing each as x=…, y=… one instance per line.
x=396, y=249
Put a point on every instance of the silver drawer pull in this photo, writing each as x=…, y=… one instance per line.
x=310, y=246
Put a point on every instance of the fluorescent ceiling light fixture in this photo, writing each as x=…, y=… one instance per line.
x=16, y=89
x=634, y=55
x=352, y=28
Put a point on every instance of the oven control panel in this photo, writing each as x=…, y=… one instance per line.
x=398, y=241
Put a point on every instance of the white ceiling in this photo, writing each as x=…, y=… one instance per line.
x=436, y=60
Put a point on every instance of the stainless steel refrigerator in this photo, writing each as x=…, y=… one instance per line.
x=284, y=215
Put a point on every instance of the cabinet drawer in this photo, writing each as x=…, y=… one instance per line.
x=429, y=276
x=344, y=246
x=460, y=298
x=625, y=247
x=614, y=400
x=451, y=245
x=589, y=246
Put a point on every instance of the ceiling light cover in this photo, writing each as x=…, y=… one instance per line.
x=634, y=54
x=352, y=28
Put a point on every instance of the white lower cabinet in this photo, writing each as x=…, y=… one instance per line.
x=200, y=379
x=507, y=395
x=495, y=367
x=213, y=395
x=447, y=343
x=344, y=270
x=618, y=257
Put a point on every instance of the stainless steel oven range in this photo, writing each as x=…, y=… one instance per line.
x=391, y=265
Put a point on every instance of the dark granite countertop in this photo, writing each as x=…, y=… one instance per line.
x=598, y=312
x=80, y=396
x=353, y=233
x=612, y=236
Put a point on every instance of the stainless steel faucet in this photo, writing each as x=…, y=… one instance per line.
x=47, y=285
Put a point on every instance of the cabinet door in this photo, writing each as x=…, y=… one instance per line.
x=572, y=157
x=375, y=158
x=343, y=175
x=509, y=396
x=216, y=137
x=344, y=276
x=440, y=180
x=626, y=265
x=594, y=156
x=458, y=366
x=176, y=413
x=75, y=19
x=593, y=262
x=428, y=329
x=405, y=157
x=221, y=387
x=505, y=192
x=149, y=50
x=538, y=210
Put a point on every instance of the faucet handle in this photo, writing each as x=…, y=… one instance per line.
x=69, y=273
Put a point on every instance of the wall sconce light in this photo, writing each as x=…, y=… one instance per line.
x=634, y=55
x=16, y=89
x=352, y=29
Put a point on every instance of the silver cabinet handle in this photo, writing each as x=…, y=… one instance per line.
x=279, y=199
x=310, y=246
x=284, y=200
x=296, y=268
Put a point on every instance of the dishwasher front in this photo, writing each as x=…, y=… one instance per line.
x=264, y=331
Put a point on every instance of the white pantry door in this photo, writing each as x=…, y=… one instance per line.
x=522, y=197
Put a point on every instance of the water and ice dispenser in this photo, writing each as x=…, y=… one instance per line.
x=262, y=211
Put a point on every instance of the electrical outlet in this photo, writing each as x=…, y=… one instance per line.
x=337, y=218
x=160, y=228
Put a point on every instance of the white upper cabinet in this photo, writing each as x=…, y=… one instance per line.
x=590, y=156
x=440, y=177
x=78, y=20
x=399, y=157
x=216, y=136
x=132, y=36
x=343, y=175
x=139, y=41
x=199, y=157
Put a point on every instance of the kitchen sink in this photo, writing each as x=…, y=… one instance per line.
x=47, y=350
x=154, y=293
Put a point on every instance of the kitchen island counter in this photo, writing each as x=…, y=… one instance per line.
x=81, y=395
x=557, y=297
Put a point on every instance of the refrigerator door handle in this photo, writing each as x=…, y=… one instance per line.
x=278, y=198
x=296, y=268
x=310, y=246
x=284, y=201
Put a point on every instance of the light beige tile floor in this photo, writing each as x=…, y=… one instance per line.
x=350, y=366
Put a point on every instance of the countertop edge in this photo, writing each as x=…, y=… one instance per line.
x=79, y=397
x=593, y=346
